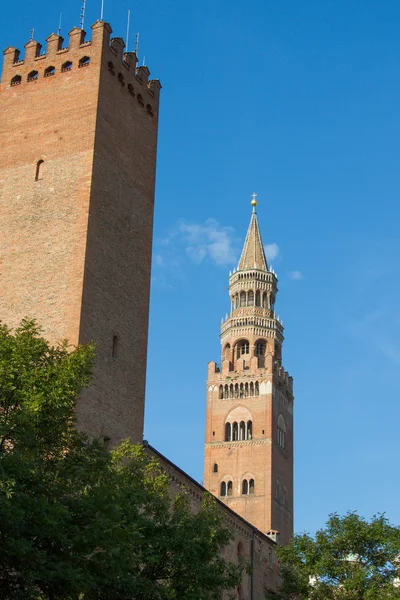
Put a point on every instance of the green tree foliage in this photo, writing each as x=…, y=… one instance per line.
x=78, y=522
x=351, y=559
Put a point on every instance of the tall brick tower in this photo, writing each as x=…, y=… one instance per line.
x=248, y=459
x=79, y=135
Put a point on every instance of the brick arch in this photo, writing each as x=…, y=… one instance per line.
x=240, y=413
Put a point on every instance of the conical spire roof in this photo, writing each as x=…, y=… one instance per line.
x=253, y=255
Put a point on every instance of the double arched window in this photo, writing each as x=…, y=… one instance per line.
x=226, y=488
x=247, y=486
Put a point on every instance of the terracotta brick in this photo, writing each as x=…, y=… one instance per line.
x=75, y=246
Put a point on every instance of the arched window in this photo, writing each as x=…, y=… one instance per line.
x=229, y=488
x=32, y=76
x=236, y=390
x=265, y=301
x=84, y=61
x=251, y=486
x=260, y=348
x=231, y=391
x=140, y=100
x=16, y=80
x=227, y=352
x=258, y=300
x=215, y=468
x=226, y=391
x=281, y=432
x=242, y=299
x=242, y=429
x=249, y=430
x=235, y=432
x=246, y=390
x=240, y=553
x=49, y=71
x=39, y=170
x=222, y=489
x=67, y=66
x=228, y=432
x=251, y=388
x=242, y=348
x=245, y=486
x=221, y=392
x=250, y=298
x=256, y=389
x=241, y=391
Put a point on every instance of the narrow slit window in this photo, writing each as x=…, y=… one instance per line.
x=39, y=170
x=215, y=469
x=115, y=346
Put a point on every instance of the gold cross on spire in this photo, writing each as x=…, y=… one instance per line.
x=254, y=201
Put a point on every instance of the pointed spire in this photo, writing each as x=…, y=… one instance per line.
x=253, y=255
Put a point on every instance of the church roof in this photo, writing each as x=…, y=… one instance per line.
x=253, y=255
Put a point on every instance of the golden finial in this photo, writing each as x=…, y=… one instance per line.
x=254, y=201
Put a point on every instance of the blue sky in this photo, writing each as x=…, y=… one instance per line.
x=297, y=101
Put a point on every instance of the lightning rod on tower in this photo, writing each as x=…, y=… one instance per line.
x=127, y=30
x=83, y=8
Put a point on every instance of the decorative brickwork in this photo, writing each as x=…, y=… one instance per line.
x=77, y=191
x=248, y=461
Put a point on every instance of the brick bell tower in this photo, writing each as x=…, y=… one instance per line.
x=78, y=155
x=248, y=459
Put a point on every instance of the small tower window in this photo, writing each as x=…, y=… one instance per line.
x=242, y=430
x=149, y=110
x=229, y=488
x=140, y=100
x=16, y=80
x=221, y=392
x=222, y=490
x=111, y=68
x=84, y=61
x=130, y=89
x=49, y=71
x=39, y=170
x=256, y=389
x=67, y=66
x=32, y=76
x=215, y=468
x=115, y=346
x=251, y=486
x=258, y=301
x=228, y=432
x=249, y=430
x=245, y=486
x=121, y=79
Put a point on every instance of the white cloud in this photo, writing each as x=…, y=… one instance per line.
x=271, y=251
x=295, y=275
x=209, y=240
